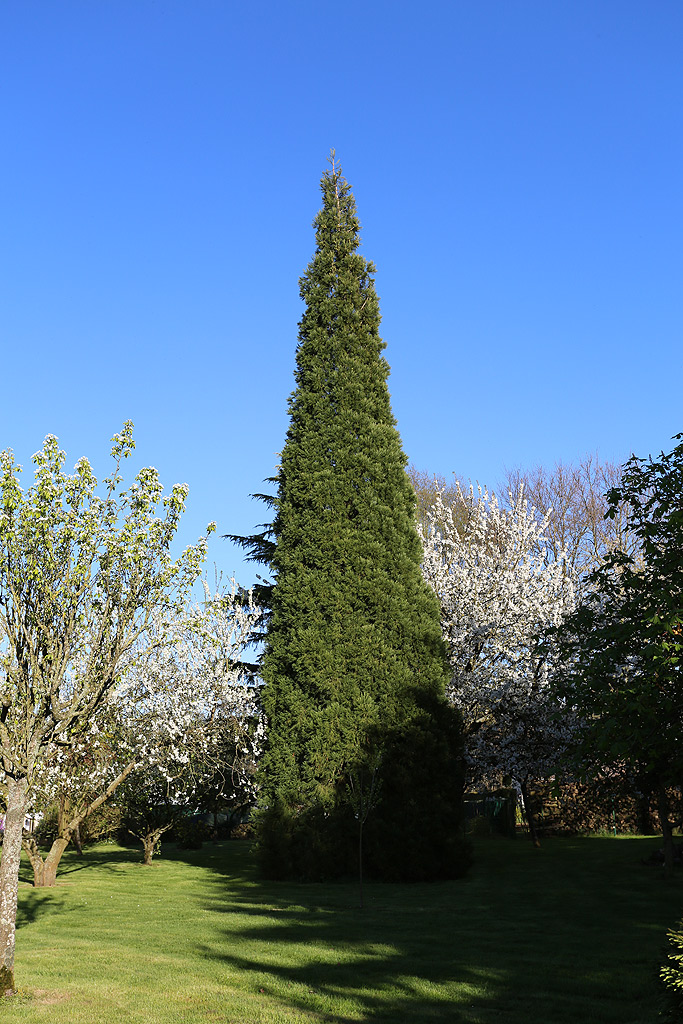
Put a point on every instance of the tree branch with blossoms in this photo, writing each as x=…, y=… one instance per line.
x=498, y=595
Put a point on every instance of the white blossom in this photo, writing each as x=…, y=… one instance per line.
x=179, y=691
x=497, y=594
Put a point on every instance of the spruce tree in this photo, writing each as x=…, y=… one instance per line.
x=359, y=734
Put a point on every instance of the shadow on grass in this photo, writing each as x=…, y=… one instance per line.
x=109, y=858
x=342, y=967
x=39, y=903
x=571, y=932
x=47, y=901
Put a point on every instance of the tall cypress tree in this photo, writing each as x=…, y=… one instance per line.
x=359, y=736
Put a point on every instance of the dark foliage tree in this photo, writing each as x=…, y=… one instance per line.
x=354, y=663
x=623, y=647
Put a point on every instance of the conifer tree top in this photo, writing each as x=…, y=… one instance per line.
x=336, y=225
x=339, y=343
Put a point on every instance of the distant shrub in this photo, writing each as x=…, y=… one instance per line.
x=45, y=832
x=101, y=824
x=479, y=827
x=245, y=830
x=491, y=813
x=602, y=807
x=191, y=834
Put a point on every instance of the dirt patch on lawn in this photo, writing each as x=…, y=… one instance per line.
x=49, y=998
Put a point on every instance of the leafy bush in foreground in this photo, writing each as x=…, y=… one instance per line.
x=672, y=975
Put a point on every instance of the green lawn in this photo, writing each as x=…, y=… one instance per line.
x=572, y=932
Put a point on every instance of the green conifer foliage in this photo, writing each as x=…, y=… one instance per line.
x=354, y=664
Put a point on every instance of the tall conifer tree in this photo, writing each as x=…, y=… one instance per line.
x=354, y=663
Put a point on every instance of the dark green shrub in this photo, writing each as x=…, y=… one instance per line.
x=412, y=832
x=191, y=834
x=416, y=833
x=310, y=842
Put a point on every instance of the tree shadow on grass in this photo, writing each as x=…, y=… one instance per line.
x=110, y=859
x=230, y=859
x=46, y=901
x=337, y=977
x=570, y=933
x=38, y=903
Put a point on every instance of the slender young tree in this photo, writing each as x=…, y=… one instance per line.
x=354, y=660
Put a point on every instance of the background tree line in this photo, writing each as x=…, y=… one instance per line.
x=573, y=496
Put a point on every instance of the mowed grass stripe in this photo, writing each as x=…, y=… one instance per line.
x=574, y=932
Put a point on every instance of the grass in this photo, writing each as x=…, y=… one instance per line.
x=574, y=932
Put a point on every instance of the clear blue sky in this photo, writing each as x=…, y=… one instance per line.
x=517, y=168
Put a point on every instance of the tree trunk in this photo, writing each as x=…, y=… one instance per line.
x=667, y=831
x=644, y=815
x=34, y=855
x=45, y=871
x=48, y=875
x=76, y=840
x=530, y=815
x=148, y=843
x=360, y=862
x=17, y=791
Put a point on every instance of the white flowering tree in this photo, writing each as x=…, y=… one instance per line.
x=161, y=732
x=207, y=728
x=83, y=571
x=76, y=777
x=216, y=769
x=498, y=594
